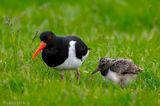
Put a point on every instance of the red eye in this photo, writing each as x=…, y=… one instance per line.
x=49, y=37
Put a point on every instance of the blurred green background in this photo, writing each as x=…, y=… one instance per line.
x=112, y=28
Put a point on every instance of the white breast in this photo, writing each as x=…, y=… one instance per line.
x=113, y=76
x=72, y=62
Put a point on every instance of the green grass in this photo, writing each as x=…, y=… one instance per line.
x=112, y=28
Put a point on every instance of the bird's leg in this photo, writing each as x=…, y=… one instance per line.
x=62, y=75
x=78, y=74
x=121, y=83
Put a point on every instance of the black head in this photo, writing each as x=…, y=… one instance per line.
x=105, y=62
x=47, y=36
x=104, y=65
x=46, y=39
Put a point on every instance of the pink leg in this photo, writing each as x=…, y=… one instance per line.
x=78, y=74
x=62, y=75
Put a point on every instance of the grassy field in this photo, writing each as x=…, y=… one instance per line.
x=112, y=28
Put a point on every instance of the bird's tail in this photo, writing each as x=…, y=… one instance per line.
x=89, y=49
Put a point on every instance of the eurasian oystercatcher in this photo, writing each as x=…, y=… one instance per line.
x=121, y=71
x=63, y=53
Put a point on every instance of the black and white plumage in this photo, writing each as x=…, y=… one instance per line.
x=63, y=52
x=121, y=71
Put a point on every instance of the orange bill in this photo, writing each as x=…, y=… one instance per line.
x=40, y=48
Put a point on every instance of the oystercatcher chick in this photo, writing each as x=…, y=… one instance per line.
x=121, y=71
x=62, y=53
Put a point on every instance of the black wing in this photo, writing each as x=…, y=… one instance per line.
x=81, y=47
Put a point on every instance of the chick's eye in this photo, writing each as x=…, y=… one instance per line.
x=103, y=61
x=102, y=65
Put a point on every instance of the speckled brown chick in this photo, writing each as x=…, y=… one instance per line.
x=121, y=71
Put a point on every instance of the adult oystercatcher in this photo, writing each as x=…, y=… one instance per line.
x=63, y=53
x=121, y=71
